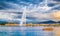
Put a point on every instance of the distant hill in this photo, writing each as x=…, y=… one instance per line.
x=47, y=22
x=44, y=22
x=3, y=22
x=58, y=21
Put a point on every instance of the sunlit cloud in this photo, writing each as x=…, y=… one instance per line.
x=37, y=11
x=55, y=16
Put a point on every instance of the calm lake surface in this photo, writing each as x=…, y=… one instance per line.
x=25, y=31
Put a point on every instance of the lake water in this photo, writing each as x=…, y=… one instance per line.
x=25, y=31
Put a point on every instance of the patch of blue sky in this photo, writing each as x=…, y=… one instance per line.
x=56, y=8
x=50, y=4
x=57, y=0
x=21, y=3
x=31, y=5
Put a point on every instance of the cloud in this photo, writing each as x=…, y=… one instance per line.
x=55, y=15
x=8, y=16
x=5, y=16
x=37, y=11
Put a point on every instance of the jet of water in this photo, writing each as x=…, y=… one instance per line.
x=29, y=9
x=23, y=19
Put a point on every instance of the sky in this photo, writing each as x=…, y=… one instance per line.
x=35, y=10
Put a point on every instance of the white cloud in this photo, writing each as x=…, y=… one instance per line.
x=5, y=16
x=31, y=10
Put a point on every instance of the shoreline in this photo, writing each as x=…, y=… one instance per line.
x=31, y=25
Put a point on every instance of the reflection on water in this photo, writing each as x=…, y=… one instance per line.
x=24, y=31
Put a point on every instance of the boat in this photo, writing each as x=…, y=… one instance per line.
x=48, y=29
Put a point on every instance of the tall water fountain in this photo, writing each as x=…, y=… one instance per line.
x=42, y=7
x=22, y=31
x=23, y=19
x=25, y=10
